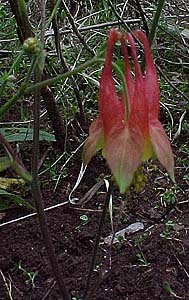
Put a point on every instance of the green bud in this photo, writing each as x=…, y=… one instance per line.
x=31, y=46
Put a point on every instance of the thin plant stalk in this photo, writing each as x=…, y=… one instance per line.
x=38, y=198
x=24, y=28
x=53, y=13
x=21, y=91
x=145, y=24
x=96, y=245
x=63, y=76
x=75, y=29
x=156, y=21
x=77, y=70
x=39, y=85
x=72, y=79
x=103, y=271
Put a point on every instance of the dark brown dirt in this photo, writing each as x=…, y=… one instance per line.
x=143, y=266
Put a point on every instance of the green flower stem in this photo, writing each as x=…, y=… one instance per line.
x=36, y=191
x=22, y=7
x=77, y=70
x=125, y=90
x=26, y=90
x=55, y=8
x=16, y=62
x=21, y=91
x=156, y=21
x=23, y=18
x=63, y=76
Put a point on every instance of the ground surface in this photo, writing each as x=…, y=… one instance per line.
x=150, y=264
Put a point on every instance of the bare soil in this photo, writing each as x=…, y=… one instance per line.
x=150, y=264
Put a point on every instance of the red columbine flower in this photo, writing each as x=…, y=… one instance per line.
x=129, y=137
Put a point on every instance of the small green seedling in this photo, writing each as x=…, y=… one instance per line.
x=140, y=255
x=30, y=276
x=169, y=225
x=169, y=197
x=168, y=289
x=84, y=219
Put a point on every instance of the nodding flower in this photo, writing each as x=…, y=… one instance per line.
x=128, y=130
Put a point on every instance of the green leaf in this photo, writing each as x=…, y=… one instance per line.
x=21, y=171
x=41, y=60
x=4, y=163
x=9, y=184
x=24, y=134
x=15, y=198
x=101, y=52
x=63, y=15
x=4, y=205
